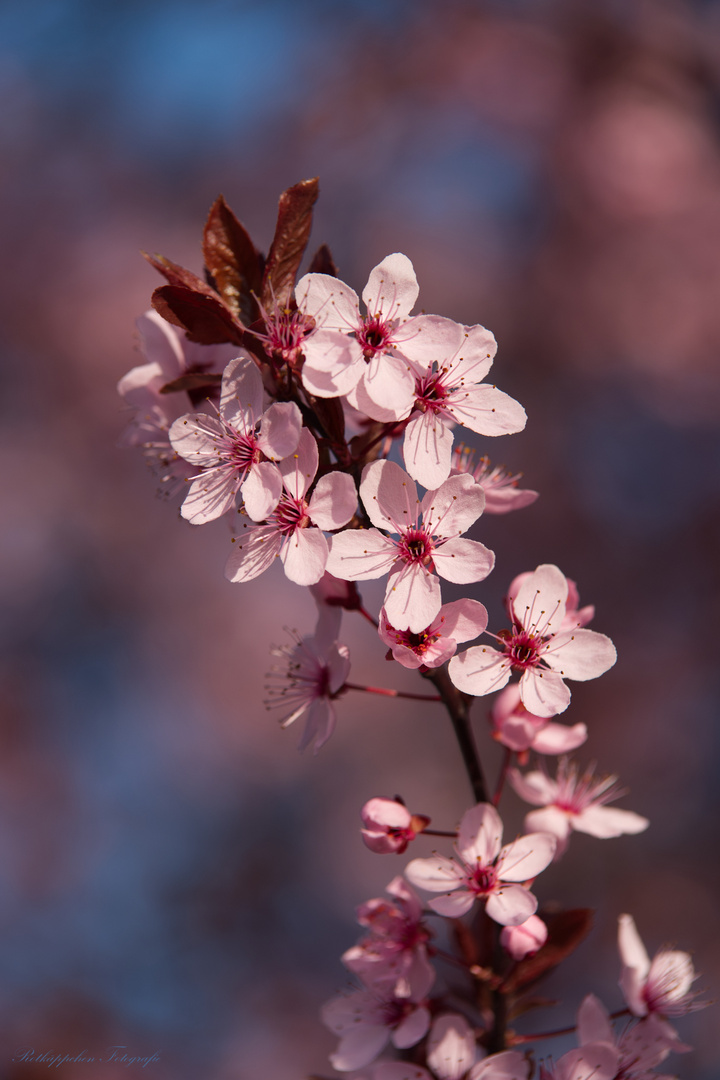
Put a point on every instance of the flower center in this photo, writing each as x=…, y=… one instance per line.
x=290, y=514
x=373, y=335
x=483, y=880
x=522, y=648
x=430, y=392
x=416, y=546
x=243, y=452
x=419, y=643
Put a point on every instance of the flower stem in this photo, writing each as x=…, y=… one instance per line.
x=457, y=706
x=503, y=775
x=366, y=614
x=391, y=693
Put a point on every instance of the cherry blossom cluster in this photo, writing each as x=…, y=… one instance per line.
x=321, y=426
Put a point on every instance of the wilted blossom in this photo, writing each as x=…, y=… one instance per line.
x=389, y=825
x=574, y=802
x=366, y=357
x=486, y=871
x=306, y=683
x=502, y=493
x=430, y=541
x=236, y=449
x=525, y=939
x=292, y=532
x=460, y=620
x=394, y=951
x=449, y=390
x=368, y=1019
x=519, y=730
x=661, y=986
x=538, y=646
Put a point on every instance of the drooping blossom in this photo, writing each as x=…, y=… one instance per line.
x=366, y=1020
x=293, y=531
x=451, y=1047
x=538, y=647
x=525, y=939
x=389, y=825
x=367, y=356
x=236, y=450
x=642, y=1044
x=519, y=730
x=429, y=542
x=169, y=356
x=486, y=870
x=502, y=493
x=661, y=986
x=306, y=683
x=449, y=390
x=394, y=951
x=460, y=620
x=572, y=802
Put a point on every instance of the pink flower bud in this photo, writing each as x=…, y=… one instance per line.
x=525, y=939
x=389, y=825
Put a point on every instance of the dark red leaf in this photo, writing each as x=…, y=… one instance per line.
x=205, y=318
x=178, y=275
x=233, y=260
x=566, y=930
x=291, y=236
x=322, y=262
x=330, y=413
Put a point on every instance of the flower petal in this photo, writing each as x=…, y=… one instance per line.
x=332, y=304
x=304, y=555
x=437, y=874
x=463, y=561
x=280, y=430
x=412, y=597
x=389, y=496
x=241, y=395
x=392, y=288
x=526, y=857
x=543, y=693
x=511, y=905
x=580, y=655
x=427, y=449
x=252, y=554
x=298, y=470
x=479, y=670
x=479, y=835
x=359, y=554
x=261, y=490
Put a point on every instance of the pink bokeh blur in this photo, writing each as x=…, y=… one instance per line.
x=177, y=878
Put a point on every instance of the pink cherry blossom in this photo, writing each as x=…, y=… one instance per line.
x=573, y=802
x=169, y=355
x=641, y=1045
x=538, y=646
x=292, y=532
x=367, y=1020
x=449, y=390
x=231, y=453
x=502, y=493
x=394, y=951
x=595, y=1061
x=429, y=542
x=389, y=825
x=574, y=615
x=460, y=620
x=486, y=870
x=285, y=332
x=525, y=939
x=519, y=730
x=451, y=1047
x=507, y=1065
x=367, y=356
x=662, y=986
x=307, y=682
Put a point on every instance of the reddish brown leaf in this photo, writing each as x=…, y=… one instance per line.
x=291, y=236
x=330, y=413
x=206, y=319
x=233, y=260
x=322, y=262
x=566, y=930
x=178, y=275
x=193, y=381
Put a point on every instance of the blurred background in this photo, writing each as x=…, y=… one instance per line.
x=176, y=878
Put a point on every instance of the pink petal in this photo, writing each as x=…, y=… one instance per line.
x=412, y=598
x=392, y=288
x=337, y=659
x=540, y=600
x=252, y=554
x=389, y=496
x=210, y=495
x=241, y=396
x=593, y=1023
x=427, y=338
x=319, y=724
x=526, y=857
x=581, y=655
x=462, y=620
x=385, y=412
x=511, y=905
x=543, y=693
x=427, y=449
x=451, y=1046
x=454, y=904
x=332, y=303
x=359, y=1047
x=389, y=383
x=334, y=501
x=486, y=410
x=605, y=822
x=454, y=506
x=359, y=554
x=534, y=787
x=261, y=490
x=385, y=814
x=479, y=835
x=507, y=1065
x=299, y=469
x=400, y=1070
x=334, y=364
x=479, y=670
x=437, y=874
x=559, y=739
x=412, y=1029
x=161, y=344
x=596, y=1061
x=553, y=820
x=304, y=555
x=280, y=430
x=503, y=500
x=463, y=561
x=636, y=965
x=194, y=437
